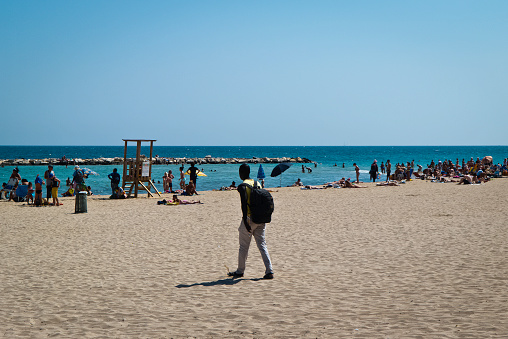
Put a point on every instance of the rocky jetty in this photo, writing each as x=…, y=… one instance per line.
x=157, y=161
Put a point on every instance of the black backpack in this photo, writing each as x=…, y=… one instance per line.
x=79, y=177
x=261, y=204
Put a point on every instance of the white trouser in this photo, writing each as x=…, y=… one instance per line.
x=258, y=231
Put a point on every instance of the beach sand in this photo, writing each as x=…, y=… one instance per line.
x=423, y=260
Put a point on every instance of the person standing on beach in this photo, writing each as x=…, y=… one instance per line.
x=373, y=171
x=193, y=173
x=248, y=229
x=38, y=190
x=48, y=175
x=54, y=190
x=165, y=182
x=382, y=167
x=357, y=169
x=78, y=179
x=169, y=181
x=115, y=180
x=388, y=169
x=182, y=178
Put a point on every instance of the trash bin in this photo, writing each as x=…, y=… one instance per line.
x=80, y=206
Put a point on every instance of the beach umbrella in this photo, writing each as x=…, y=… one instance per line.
x=261, y=172
x=88, y=171
x=279, y=169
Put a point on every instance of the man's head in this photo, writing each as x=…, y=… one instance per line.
x=244, y=171
x=114, y=170
x=50, y=167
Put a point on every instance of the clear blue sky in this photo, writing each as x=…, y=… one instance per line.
x=254, y=72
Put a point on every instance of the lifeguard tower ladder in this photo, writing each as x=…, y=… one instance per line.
x=136, y=172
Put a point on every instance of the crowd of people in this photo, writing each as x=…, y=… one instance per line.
x=460, y=172
x=470, y=172
x=18, y=189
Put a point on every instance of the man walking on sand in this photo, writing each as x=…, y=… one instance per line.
x=248, y=229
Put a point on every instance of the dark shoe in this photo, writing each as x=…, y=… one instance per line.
x=268, y=276
x=235, y=275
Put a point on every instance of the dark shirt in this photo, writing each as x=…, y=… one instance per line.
x=193, y=172
x=114, y=177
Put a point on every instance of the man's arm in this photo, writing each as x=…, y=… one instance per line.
x=243, y=199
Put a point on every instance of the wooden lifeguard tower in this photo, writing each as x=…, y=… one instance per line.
x=137, y=172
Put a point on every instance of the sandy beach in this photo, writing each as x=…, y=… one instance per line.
x=423, y=260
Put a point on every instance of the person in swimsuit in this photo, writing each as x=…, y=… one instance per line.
x=388, y=169
x=190, y=189
x=349, y=184
x=357, y=169
x=177, y=201
x=182, y=178
x=38, y=190
x=169, y=181
x=54, y=190
x=30, y=194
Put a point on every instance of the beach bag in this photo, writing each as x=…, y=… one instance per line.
x=261, y=204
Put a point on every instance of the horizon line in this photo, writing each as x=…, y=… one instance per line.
x=257, y=145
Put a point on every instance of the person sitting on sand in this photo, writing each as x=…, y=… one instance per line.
x=297, y=183
x=349, y=184
x=15, y=174
x=119, y=194
x=89, y=191
x=69, y=192
x=190, y=189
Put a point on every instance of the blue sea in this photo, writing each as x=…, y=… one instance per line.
x=326, y=158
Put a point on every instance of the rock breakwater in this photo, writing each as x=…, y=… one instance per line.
x=156, y=161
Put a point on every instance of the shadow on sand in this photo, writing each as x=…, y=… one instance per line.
x=228, y=281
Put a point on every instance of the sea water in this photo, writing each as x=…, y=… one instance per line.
x=329, y=159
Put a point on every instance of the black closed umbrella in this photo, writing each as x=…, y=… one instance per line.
x=279, y=169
